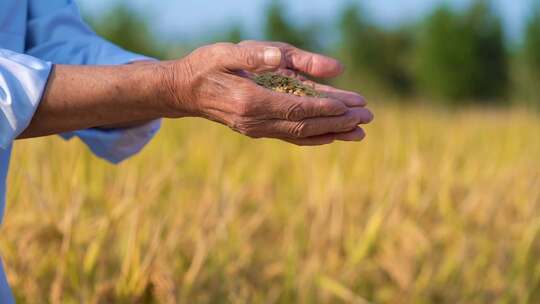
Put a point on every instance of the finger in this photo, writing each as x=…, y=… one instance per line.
x=312, y=64
x=357, y=134
x=296, y=108
x=351, y=99
x=320, y=125
x=256, y=58
x=312, y=141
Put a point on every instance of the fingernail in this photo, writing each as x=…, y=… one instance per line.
x=359, y=135
x=371, y=117
x=362, y=101
x=357, y=100
x=366, y=118
x=272, y=56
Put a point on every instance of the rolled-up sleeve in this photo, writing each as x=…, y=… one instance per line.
x=22, y=81
x=57, y=33
x=115, y=145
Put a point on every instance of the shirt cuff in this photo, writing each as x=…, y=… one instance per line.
x=116, y=145
x=22, y=82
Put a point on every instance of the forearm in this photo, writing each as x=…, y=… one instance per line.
x=80, y=97
x=206, y=83
x=130, y=124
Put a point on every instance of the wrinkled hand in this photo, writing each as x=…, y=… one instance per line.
x=212, y=83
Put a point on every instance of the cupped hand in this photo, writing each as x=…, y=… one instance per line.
x=211, y=82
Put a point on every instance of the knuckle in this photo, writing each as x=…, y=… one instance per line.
x=246, y=127
x=214, y=54
x=331, y=107
x=245, y=107
x=353, y=120
x=247, y=101
x=298, y=129
x=220, y=49
x=310, y=64
x=239, y=124
x=295, y=112
x=222, y=46
x=250, y=58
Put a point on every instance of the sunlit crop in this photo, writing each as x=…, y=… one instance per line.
x=434, y=207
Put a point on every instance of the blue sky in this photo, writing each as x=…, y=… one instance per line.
x=190, y=20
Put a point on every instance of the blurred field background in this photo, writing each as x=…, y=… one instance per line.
x=440, y=204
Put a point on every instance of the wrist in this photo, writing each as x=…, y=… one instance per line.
x=157, y=79
x=177, y=83
x=144, y=83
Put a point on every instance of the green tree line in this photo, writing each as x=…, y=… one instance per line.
x=451, y=56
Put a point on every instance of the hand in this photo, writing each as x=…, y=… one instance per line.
x=211, y=83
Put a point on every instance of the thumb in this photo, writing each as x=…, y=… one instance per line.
x=255, y=59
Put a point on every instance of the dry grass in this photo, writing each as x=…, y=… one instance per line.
x=434, y=207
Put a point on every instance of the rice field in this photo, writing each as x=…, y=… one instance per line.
x=435, y=206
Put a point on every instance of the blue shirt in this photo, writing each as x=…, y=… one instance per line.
x=34, y=34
